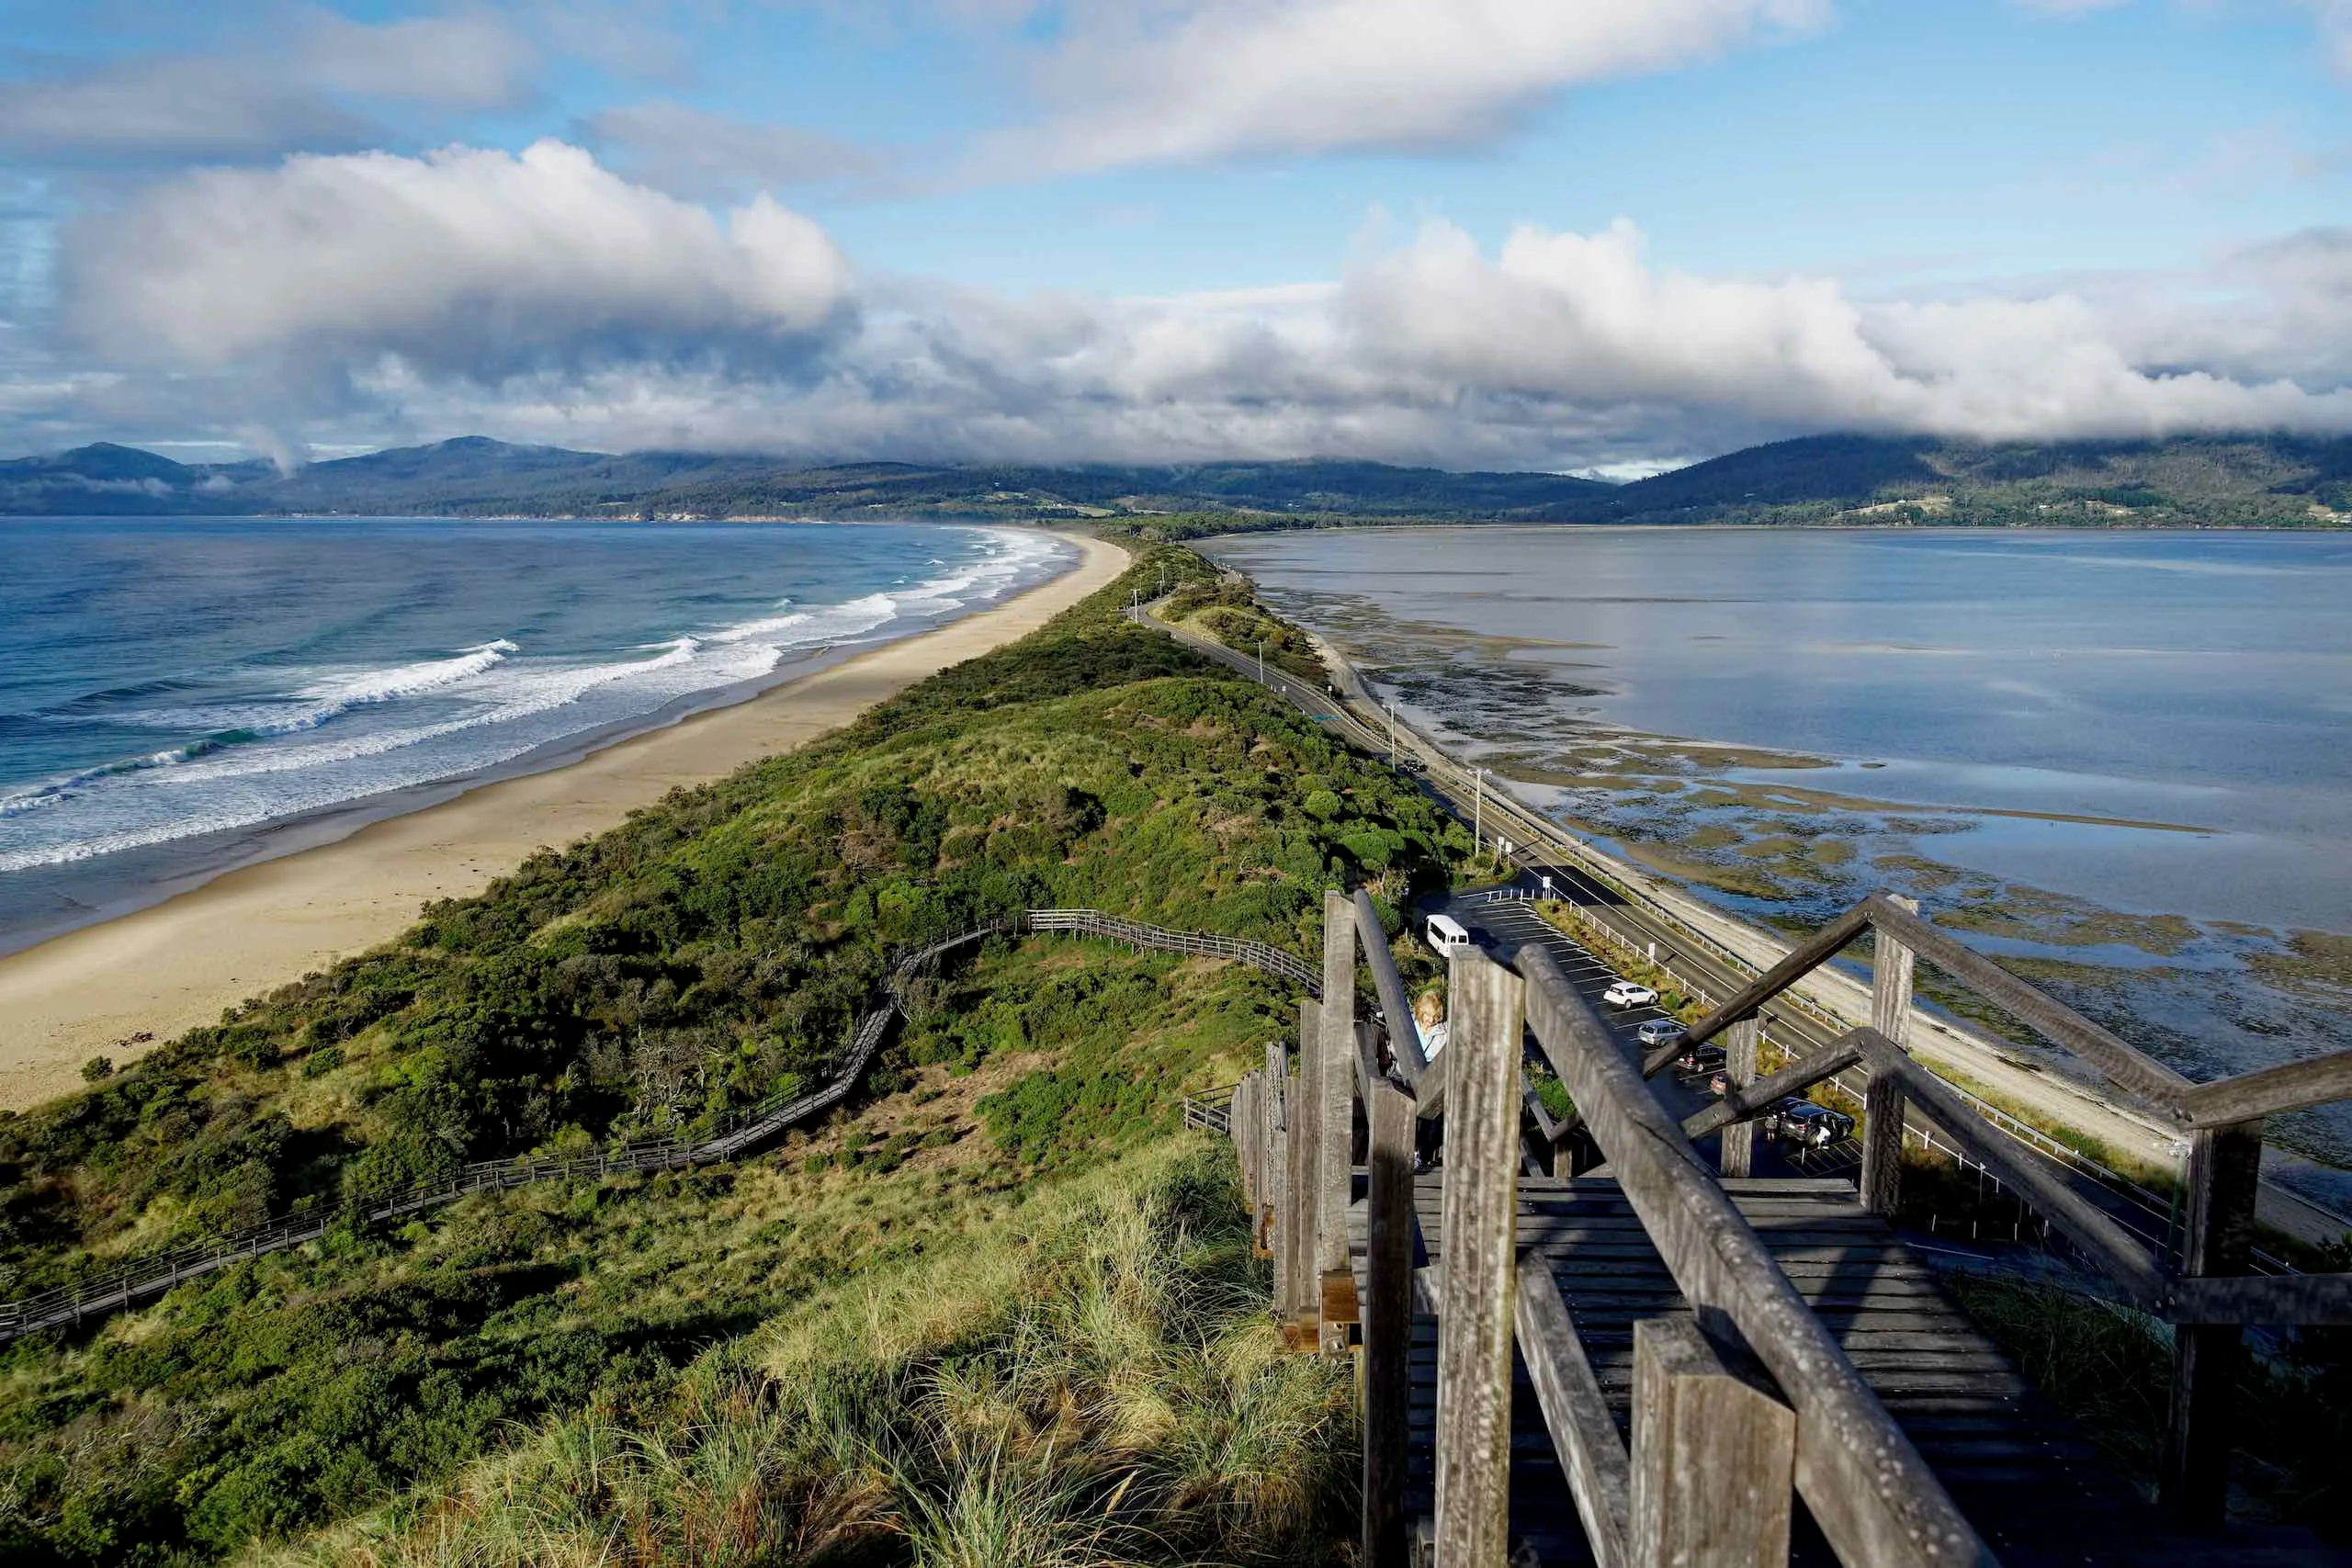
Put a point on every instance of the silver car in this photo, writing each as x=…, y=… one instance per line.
x=1660, y=1031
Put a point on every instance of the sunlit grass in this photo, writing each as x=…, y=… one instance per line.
x=1092, y=1381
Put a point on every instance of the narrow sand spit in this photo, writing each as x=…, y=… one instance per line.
x=165, y=969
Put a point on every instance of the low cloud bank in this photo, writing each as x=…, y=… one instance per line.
x=541, y=295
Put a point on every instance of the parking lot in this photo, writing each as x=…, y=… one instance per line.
x=1506, y=925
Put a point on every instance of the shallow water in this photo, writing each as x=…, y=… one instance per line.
x=2189, y=680
x=170, y=688
x=1786, y=720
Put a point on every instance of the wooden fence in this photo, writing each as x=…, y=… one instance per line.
x=1716, y=1450
x=144, y=1278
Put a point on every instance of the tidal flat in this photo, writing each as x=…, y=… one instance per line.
x=2186, y=889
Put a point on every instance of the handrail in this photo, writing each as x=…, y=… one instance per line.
x=1864, y=1481
x=138, y=1279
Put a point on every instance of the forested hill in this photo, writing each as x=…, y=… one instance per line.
x=2210, y=480
x=474, y=477
x=2206, y=481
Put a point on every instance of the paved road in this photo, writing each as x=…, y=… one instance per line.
x=1794, y=1031
x=1510, y=926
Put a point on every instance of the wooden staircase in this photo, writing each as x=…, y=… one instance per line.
x=2037, y=1492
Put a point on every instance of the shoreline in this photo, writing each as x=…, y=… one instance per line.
x=165, y=968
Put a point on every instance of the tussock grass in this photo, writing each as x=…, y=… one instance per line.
x=1093, y=1383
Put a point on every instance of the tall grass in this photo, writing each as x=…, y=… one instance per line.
x=1095, y=1383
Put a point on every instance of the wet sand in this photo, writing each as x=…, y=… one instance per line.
x=162, y=970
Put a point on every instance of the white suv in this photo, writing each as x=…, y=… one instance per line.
x=1628, y=994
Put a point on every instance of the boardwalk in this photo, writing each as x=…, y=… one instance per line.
x=1658, y=1363
x=2037, y=1492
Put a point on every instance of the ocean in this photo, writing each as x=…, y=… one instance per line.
x=2122, y=761
x=179, y=695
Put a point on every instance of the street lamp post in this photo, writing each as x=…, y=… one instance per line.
x=1261, y=661
x=1478, y=809
x=1391, y=707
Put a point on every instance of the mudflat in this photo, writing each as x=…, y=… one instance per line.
x=165, y=969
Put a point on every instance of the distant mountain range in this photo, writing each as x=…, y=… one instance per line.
x=2183, y=481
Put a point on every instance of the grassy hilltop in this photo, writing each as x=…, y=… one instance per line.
x=998, y=1292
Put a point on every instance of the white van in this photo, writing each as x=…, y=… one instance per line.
x=1446, y=936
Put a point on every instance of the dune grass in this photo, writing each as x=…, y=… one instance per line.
x=1093, y=1380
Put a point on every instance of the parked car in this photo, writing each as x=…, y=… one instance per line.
x=1699, y=1059
x=1628, y=994
x=1720, y=1085
x=1803, y=1122
x=1660, y=1031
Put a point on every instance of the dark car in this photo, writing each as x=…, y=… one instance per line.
x=1700, y=1059
x=1802, y=1123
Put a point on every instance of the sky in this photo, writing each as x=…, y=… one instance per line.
x=1592, y=236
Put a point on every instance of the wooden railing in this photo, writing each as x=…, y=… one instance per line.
x=143, y=1279
x=1717, y=1449
x=2209, y=1292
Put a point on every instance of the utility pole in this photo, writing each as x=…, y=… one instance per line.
x=1391, y=707
x=1261, y=661
x=1478, y=809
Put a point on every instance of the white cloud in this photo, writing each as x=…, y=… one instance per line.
x=693, y=152
x=473, y=60
x=542, y=296
x=294, y=86
x=1188, y=80
x=463, y=261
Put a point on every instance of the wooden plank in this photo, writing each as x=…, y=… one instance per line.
x=1713, y=1456
x=1284, y=1170
x=1584, y=1433
x=1429, y=1092
x=1473, y=1444
x=2249, y=1097
x=1305, y=1130
x=1824, y=946
x=1737, y=1157
x=1867, y=1487
x=1388, y=1324
x=1334, y=1089
x=2224, y=1174
x=1404, y=1039
x=1891, y=967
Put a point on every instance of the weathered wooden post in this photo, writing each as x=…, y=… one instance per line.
x=1740, y=1071
x=1714, y=1457
x=1278, y=1224
x=2223, y=1176
x=1335, y=1067
x=1240, y=1116
x=1489, y=1006
x=1306, y=1124
x=1891, y=971
x=1387, y=1323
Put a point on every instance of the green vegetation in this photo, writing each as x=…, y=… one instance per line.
x=2269, y=480
x=1226, y=611
x=652, y=979
x=1095, y=1379
x=2109, y=1369
x=2205, y=480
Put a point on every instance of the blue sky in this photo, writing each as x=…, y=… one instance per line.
x=1473, y=233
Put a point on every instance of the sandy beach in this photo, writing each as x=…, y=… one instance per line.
x=162, y=970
